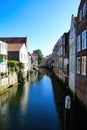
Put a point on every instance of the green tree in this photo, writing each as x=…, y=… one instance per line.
x=40, y=55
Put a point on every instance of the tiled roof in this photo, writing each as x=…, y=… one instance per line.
x=14, y=47
x=14, y=39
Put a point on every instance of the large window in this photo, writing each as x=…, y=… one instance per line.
x=84, y=39
x=84, y=65
x=78, y=43
x=78, y=64
x=84, y=9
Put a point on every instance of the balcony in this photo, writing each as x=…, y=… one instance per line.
x=3, y=58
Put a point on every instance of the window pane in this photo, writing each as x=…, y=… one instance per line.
x=84, y=65
x=84, y=9
x=80, y=15
x=78, y=65
x=84, y=40
x=78, y=43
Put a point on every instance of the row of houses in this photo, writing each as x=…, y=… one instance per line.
x=69, y=56
x=16, y=48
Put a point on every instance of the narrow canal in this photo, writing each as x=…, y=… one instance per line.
x=36, y=105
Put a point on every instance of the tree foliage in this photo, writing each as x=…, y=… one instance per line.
x=40, y=55
x=18, y=67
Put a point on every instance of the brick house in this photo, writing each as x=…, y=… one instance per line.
x=72, y=54
x=65, y=45
x=60, y=58
x=57, y=57
x=81, y=52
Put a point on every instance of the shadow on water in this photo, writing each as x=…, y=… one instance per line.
x=74, y=118
x=59, y=97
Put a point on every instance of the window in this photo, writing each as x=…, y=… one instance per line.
x=21, y=57
x=84, y=9
x=80, y=15
x=78, y=65
x=78, y=43
x=84, y=65
x=84, y=40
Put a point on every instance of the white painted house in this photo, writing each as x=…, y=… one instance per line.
x=23, y=57
x=17, y=49
x=3, y=57
x=29, y=62
x=72, y=54
x=18, y=52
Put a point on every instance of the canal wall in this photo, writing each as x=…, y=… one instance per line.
x=8, y=81
x=74, y=95
x=11, y=79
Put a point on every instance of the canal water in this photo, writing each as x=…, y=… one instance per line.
x=38, y=104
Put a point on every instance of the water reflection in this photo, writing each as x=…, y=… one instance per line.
x=4, y=107
x=59, y=98
x=76, y=117
x=38, y=104
x=30, y=106
x=36, y=76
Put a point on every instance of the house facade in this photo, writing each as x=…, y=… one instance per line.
x=3, y=60
x=17, y=49
x=72, y=54
x=81, y=52
x=3, y=57
x=35, y=60
x=57, y=57
x=18, y=52
x=65, y=56
x=29, y=62
x=60, y=58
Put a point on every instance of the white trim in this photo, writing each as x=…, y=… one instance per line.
x=84, y=65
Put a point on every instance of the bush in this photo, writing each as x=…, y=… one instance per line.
x=16, y=66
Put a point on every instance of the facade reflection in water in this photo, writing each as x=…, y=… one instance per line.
x=30, y=106
x=76, y=117
x=38, y=105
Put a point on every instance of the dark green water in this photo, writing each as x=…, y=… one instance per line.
x=31, y=106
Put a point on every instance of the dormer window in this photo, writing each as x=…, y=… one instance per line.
x=80, y=15
x=84, y=9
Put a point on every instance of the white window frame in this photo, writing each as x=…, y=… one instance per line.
x=78, y=43
x=78, y=64
x=84, y=9
x=83, y=65
x=83, y=39
x=21, y=56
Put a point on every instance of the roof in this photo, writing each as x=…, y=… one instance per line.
x=14, y=47
x=29, y=53
x=14, y=40
x=34, y=56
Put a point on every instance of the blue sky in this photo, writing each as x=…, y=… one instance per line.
x=41, y=21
